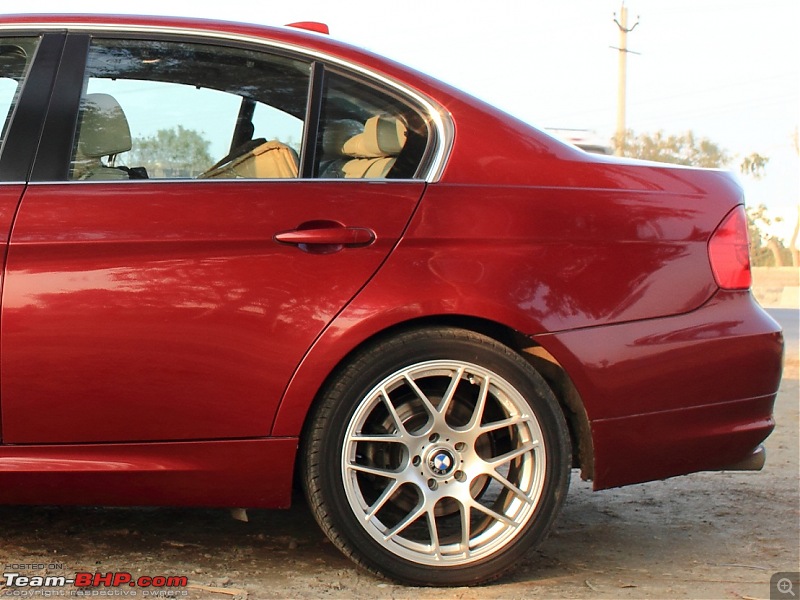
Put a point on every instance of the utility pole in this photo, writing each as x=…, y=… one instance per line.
x=622, y=24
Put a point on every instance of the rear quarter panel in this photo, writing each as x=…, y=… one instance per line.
x=628, y=244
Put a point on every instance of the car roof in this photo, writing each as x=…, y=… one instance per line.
x=301, y=40
x=153, y=21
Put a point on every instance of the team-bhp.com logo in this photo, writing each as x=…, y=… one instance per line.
x=94, y=580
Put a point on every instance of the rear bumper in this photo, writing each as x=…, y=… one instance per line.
x=660, y=445
x=675, y=395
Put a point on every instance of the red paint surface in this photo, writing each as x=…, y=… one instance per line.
x=166, y=311
x=216, y=474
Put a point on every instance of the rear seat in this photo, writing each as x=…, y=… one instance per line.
x=334, y=136
x=374, y=151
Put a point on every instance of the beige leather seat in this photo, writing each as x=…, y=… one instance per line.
x=270, y=160
x=334, y=136
x=374, y=151
x=104, y=132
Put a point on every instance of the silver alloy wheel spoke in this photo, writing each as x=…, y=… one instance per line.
x=373, y=471
x=463, y=510
x=434, y=533
x=506, y=483
x=450, y=442
x=407, y=520
x=495, y=425
x=494, y=514
x=509, y=456
x=451, y=390
x=383, y=438
x=477, y=415
x=387, y=402
x=432, y=410
x=381, y=501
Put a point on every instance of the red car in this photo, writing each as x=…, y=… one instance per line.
x=235, y=254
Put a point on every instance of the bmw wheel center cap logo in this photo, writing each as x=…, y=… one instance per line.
x=441, y=462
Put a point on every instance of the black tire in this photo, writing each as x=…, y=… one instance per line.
x=363, y=492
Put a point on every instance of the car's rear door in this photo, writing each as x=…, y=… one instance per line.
x=166, y=308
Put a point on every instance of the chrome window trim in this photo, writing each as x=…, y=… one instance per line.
x=442, y=121
x=233, y=180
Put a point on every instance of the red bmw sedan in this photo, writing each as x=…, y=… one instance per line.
x=235, y=254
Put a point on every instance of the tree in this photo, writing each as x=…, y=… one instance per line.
x=687, y=149
x=176, y=152
x=754, y=165
x=766, y=250
x=683, y=149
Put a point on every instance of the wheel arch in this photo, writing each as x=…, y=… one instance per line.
x=546, y=364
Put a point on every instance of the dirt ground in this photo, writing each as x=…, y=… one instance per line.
x=710, y=535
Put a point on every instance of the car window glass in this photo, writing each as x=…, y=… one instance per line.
x=167, y=110
x=15, y=59
x=368, y=133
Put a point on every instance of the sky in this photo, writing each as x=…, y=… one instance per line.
x=728, y=70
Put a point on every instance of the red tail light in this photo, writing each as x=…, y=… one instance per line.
x=729, y=252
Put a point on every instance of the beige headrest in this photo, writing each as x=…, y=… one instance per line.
x=382, y=136
x=104, y=128
x=337, y=133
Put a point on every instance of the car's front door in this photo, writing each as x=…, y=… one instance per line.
x=177, y=307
